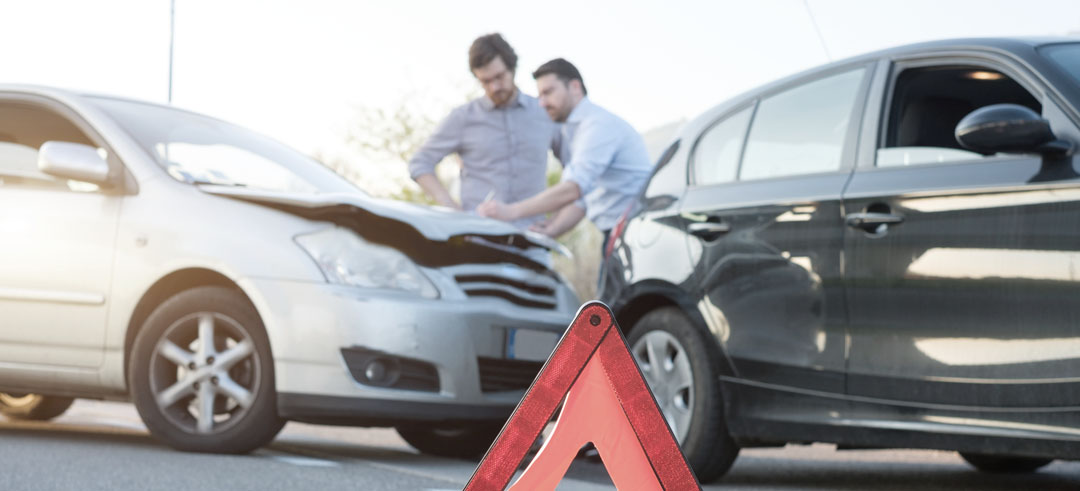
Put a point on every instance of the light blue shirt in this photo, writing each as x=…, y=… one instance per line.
x=606, y=158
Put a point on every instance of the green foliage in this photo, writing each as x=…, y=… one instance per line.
x=413, y=194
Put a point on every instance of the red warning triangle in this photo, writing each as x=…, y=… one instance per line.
x=608, y=403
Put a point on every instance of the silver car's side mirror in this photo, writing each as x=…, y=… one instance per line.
x=73, y=161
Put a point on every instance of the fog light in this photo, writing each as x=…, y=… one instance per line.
x=380, y=369
x=382, y=372
x=375, y=371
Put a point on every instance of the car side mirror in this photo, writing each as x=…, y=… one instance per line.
x=73, y=161
x=1010, y=128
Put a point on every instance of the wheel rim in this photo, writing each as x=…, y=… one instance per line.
x=666, y=367
x=204, y=373
x=17, y=400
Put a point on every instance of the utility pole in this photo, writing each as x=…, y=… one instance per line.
x=172, y=31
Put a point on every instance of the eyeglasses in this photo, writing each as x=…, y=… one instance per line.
x=498, y=77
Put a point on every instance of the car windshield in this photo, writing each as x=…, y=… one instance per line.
x=202, y=150
x=1066, y=56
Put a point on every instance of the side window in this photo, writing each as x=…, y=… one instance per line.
x=23, y=128
x=802, y=130
x=926, y=105
x=716, y=157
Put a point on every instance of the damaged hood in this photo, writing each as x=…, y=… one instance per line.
x=437, y=224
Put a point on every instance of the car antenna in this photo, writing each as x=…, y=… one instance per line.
x=817, y=30
x=172, y=31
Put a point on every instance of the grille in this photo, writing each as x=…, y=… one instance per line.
x=532, y=294
x=499, y=375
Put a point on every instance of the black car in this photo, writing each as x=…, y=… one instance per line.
x=880, y=252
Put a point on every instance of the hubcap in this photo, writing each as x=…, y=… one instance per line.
x=664, y=363
x=204, y=373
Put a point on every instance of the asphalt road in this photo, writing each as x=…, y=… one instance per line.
x=99, y=445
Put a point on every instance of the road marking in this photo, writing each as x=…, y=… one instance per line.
x=381, y=465
x=304, y=461
x=122, y=423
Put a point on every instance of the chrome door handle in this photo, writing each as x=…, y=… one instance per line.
x=875, y=224
x=864, y=220
x=708, y=229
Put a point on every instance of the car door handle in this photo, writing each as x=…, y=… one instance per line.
x=875, y=224
x=869, y=219
x=707, y=230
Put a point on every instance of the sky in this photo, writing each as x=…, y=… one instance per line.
x=297, y=70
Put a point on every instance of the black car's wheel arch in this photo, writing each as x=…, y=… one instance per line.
x=641, y=298
x=710, y=457
x=163, y=289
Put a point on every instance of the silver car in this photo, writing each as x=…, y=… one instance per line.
x=225, y=284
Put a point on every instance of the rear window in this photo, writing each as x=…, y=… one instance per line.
x=1066, y=56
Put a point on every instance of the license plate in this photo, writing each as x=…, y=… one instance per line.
x=527, y=344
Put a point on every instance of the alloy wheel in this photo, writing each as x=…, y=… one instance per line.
x=666, y=367
x=204, y=373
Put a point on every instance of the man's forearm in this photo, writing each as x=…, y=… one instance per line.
x=564, y=220
x=431, y=185
x=551, y=199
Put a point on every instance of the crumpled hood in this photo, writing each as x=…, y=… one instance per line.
x=437, y=224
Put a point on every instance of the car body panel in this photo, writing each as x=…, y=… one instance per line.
x=968, y=302
x=58, y=254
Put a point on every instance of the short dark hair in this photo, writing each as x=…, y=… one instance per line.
x=485, y=48
x=563, y=69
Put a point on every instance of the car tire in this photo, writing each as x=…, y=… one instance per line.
x=684, y=380
x=999, y=464
x=460, y=441
x=33, y=407
x=202, y=375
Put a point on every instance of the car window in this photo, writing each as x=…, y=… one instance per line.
x=1066, y=56
x=802, y=130
x=928, y=102
x=199, y=149
x=23, y=129
x=716, y=157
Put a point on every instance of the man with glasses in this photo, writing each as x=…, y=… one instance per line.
x=502, y=138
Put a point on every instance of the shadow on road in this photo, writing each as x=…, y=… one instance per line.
x=772, y=473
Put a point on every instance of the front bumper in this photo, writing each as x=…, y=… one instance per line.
x=309, y=324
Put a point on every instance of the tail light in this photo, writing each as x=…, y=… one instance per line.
x=617, y=231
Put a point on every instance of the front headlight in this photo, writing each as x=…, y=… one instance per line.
x=347, y=259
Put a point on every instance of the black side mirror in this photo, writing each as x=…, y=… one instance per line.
x=1008, y=128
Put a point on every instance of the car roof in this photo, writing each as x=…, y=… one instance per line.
x=1022, y=47
x=78, y=99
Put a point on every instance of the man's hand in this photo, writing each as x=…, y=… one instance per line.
x=497, y=210
x=437, y=191
x=541, y=227
x=453, y=205
x=563, y=221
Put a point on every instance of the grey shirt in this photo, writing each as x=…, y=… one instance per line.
x=502, y=149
